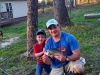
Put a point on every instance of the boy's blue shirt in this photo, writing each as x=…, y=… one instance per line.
x=67, y=41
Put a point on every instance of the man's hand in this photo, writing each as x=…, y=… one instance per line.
x=60, y=57
x=46, y=59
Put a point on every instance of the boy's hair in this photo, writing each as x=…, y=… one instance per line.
x=40, y=31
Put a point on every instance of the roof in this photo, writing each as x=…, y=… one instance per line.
x=13, y=0
x=18, y=0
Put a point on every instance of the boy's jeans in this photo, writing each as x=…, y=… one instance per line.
x=39, y=68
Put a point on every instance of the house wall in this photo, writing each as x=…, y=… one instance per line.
x=80, y=2
x=19, y=8
x=2, y=7
x=86, y=1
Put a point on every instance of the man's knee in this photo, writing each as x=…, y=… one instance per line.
x=78, y=68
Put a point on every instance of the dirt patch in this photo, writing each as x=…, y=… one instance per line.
x=8, y=42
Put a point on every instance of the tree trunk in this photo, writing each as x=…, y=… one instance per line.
x=60, y=12
x=32, y=24
x=43, y=5
x=75, y=3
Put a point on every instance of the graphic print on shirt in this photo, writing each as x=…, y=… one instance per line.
x=63, y=49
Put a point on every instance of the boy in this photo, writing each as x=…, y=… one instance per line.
x=38, y=51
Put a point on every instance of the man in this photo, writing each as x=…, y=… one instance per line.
x=69, y=60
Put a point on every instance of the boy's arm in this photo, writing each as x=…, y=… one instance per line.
x=36, y=52
x=39, y=54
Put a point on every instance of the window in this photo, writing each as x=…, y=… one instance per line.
x=8, y=7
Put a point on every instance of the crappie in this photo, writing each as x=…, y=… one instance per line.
x=52, y=51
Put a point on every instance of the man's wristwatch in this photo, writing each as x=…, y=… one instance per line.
x=67, y=59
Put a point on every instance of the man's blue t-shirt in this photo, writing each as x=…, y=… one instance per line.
x=67, y=41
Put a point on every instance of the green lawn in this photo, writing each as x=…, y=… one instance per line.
x=87, y=31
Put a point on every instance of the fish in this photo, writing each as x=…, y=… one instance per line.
x=52, y=51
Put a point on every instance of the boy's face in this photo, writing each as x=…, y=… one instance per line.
x=40, y=38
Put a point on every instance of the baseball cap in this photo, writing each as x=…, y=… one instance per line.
x=51, y=22
x=40, y=31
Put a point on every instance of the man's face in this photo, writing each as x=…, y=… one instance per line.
x=54, y=30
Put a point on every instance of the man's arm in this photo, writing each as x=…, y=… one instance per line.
x=74, y=56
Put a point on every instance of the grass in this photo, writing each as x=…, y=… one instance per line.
x=87, y=31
